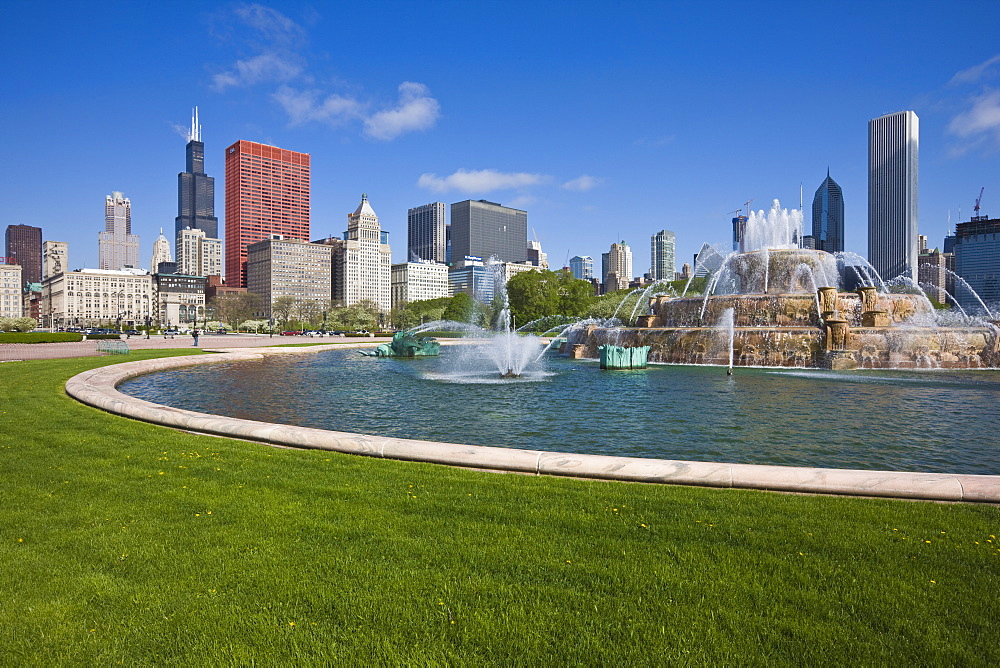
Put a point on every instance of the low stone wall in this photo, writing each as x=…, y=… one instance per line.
x=97, y=388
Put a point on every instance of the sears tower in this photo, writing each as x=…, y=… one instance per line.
x=195, y=191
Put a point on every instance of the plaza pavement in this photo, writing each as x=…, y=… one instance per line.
x=41, y=351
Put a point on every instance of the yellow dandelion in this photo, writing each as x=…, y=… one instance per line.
x=197, y=514
x=934, y=582
x=20, y=540
x=568, y=561
x=291, y=623
x=801, y=555
x=926, y=541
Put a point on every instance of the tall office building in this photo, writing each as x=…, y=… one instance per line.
x=616, y=267
x=55, y=258
x=11, y=286
x=893, y=146
x=828, y=217
x=662, y=256
x=487, y=229
x=198, y=254
x=582, y=267
x=426, y=230
x=293, y=268
x=267, y=192
x=23, y=245
x=161, y=253
x=195, y=191
x=977, y=261
x=118, y=248
x=417, y=281
x=362, y=263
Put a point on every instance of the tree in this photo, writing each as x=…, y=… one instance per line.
x=461, y=308
x=17, y=324
x=234, y=308
x=281, y=308
x=538, y=294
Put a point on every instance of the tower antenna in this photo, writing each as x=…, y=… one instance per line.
x=195, y=134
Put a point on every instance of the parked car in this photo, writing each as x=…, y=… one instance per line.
x=290, y=333
x=133, y=332
x=170, y=332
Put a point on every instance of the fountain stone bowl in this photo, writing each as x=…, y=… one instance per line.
x=785, y=314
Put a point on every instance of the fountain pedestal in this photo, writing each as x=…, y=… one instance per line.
x=875, y=319
x=618, y=357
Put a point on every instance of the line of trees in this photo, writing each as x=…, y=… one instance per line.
x=533, y=295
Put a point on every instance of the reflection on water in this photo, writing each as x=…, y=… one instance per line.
x=895, y=420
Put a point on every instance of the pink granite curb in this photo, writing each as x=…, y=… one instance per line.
x=97, y=388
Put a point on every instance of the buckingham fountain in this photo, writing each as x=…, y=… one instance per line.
x=777, y=305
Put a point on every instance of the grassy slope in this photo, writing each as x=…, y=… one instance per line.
x=121, y=541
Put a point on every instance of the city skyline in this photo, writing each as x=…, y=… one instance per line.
x=661, y=135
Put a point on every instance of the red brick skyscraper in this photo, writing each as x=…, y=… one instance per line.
x=267, y=192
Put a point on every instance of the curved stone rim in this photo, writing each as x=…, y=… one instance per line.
x=98, y=388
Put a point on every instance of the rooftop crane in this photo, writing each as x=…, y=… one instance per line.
x=978, y=200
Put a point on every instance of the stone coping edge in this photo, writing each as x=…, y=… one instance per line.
x=97, y=388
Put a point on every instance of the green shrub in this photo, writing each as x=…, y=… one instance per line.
x=95, y=337
x=40, y=337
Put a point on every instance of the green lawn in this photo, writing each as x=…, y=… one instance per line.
x=122, y=542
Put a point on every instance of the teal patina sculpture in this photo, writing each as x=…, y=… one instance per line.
x=405, y=344
x=618, y=357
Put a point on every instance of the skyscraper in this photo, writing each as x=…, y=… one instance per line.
x=161, y=253
x=267, y=192
x=977, y=261
x=828, y=216
x=616, y=266
x=426, y=232
x=198, y=254
x=893, y=144
x=362, y=264
x=195, y=190
x=118, y=248
x=662, y=256
x=55, y=258
x=582, y=267
x=486, y=229
x=24, y=246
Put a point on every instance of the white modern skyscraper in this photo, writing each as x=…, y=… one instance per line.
x=893, y=143
x=117, y=246
x=662, y=255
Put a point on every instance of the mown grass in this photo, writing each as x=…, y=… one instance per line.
x=122, y=542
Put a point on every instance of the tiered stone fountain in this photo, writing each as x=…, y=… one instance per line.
x=787, y=311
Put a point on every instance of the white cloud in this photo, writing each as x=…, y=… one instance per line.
x=974, y=74
x=263, y=68
x=481, y=181
x=582, y=183
x=270, y=24
x=981, y=120
x=416, y=110
x=305, y=106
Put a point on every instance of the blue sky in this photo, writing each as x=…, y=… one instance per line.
x=604, y=120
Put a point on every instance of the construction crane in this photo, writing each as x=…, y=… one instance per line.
x=979, y=199
x=747, y=204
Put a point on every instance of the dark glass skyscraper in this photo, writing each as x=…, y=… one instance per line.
x=195, y=190
x=828, y=216
x=484, y=229
x=426, y=236
x=24, y=246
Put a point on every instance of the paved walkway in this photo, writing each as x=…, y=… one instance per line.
x=40, y=351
